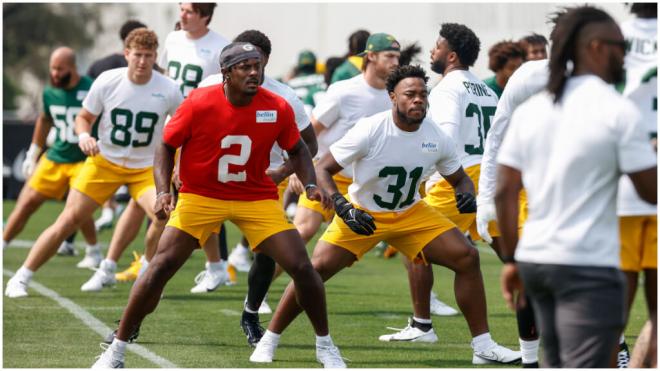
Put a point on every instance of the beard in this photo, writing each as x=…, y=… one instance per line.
x=438, y=66
x=407, y=119
x=62, y=82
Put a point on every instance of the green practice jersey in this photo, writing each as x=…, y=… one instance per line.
x=492, y=83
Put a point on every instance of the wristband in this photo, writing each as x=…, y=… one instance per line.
x=83, y=136
x=310, y=185
x=33, y=151
x=162, y=194
x=507, y=259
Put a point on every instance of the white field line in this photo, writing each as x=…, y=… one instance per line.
x=93, y=323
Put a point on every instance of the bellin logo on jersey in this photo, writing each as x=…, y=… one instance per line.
x=430, y=147
x=266, y=116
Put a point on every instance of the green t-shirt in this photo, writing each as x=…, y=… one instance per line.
x=349, y=68
x=61, y=107
x=492, y=83
x=306, y=86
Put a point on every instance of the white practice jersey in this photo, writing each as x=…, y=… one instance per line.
x=641, y=87
x=277, y=155
x=189, y=61
x=528, y=80
x=388, y=162
x=571, y=159
x=132, y=116
x=342, y=106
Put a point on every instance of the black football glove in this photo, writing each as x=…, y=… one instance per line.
x=466, y=203
x=359, y=221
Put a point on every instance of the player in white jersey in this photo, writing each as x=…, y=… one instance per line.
x=193, y=53
x=584, y=136
x=388, y=153
x=638, y=220
x=134, y=103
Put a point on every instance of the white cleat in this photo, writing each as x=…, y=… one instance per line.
x=109, y=358
x=264, y=308
x=91, y=260
x=208, y=281
x=99, y=280
x=67, y=249
x=329, y=356
x=240, y=258
x=16, y=288
x=439, y=308
x=263, y=352
x=411, y=334
x=496, y=354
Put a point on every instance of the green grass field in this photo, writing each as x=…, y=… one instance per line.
x=202, y=330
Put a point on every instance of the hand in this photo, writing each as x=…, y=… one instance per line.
x=176, y=179
x=30, y=162
x=277, y=175
x=164, y=205
x=359, y=221
x=88, y=144
x=295, y=185
x=512, y=286
x=316, y=194
x=485, y=214
x=466, y=203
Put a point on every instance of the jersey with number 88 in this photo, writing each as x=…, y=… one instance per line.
x=226, y=149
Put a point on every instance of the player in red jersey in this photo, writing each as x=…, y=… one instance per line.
x=226, y=133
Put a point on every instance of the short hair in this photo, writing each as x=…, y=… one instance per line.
x=141, y=38
x=408, y=53
x=357, y=42
x=462, y=41
x=500, y=53
x=204, y=10
x=129, y=26
x=533, y=39
x=256, y=38
x=403, y=72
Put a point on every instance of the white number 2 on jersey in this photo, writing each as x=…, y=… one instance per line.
x=245, y=142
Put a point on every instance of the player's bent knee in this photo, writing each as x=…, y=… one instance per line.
x=469, y=261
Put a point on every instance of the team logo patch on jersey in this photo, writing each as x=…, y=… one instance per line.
x=205, y=51
x=158, y=95
x=81, y=94
x=429, y=147
x=266, y=116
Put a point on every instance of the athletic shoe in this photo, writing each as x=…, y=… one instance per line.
x=411, y=334
x=379, y=248
x=91, y=260
x=67, y=249
x=329, y=356
x=252, y=328
x=623, y=356
x=496, y=354
x=231, y=271
x=104, y=221
x=99, y=280
x=263, y=352
x=16, y=288
x=208, y=281
x=109, y=358
x=439, y=308
x=131, y=339
x=530, y=365
x=390, y=252
x=264, y=308
x=131, y=273
x=240, y=259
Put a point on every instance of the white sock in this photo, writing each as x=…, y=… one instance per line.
x=108, y=265
x=24, y=274
x=118, y=346
x=107, y=213
x=323, y=340
x=271, y=337
x=92, y=248
x=622, y=339
x=216, y=266
x=424, y=321
x=482, y=342
x=529, y=350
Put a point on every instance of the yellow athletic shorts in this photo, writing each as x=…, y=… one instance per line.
x=53, y=179
x=100, y=179
x=200, y=216
x=281, y=188
x=342, y=185
x=639, y=242
x=442, y=197
x=522, y=211
x=408, y=231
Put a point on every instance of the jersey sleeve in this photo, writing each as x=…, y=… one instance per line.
x=635, y=152
x=328, y=109
x=302, y=120
x=179, y=129
x=353, y=145
x=289, y=135
x=449, y=162
x=94, y=100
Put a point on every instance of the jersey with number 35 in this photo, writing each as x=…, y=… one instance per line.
x=225, y=148
x=132, y=115
x=464, y=106
x=61, y=106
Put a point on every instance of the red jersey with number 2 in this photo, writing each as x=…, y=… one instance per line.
x=225, y=148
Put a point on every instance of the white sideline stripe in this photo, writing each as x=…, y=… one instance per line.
x=93, y=323
x=230, y=312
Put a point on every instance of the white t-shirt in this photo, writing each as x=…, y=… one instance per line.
x=529, y=79
x=277, y=155
x=345, y=103
x=388, y=162
x=189, y=61
x=642, y=88
x=571, y=160
x=132, y=116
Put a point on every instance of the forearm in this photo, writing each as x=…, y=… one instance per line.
x=163, y=166
x=41, y=129
x=509, y=184
x=301, y=163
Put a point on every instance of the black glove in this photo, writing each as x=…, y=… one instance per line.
x=357, y=220
x=466, y=203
